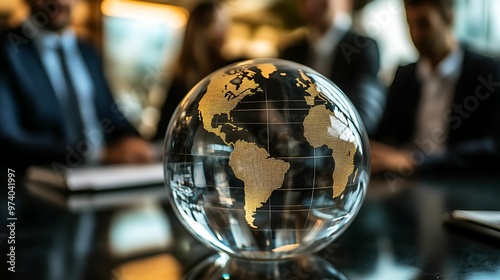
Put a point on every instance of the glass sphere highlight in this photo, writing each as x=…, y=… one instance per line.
x=266, y=159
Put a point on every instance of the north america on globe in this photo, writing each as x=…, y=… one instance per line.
x=253, y=162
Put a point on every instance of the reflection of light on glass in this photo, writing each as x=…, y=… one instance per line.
x=222, y=260
x=175, y=16
x=224, y=268
x=139, y=230
x=163, y=266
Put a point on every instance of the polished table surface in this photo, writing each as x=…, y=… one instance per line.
x=133, y=235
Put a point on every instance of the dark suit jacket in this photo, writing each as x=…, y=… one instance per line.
x=31, y=126
x=472, y=118
x=355, y=68
x=175, y=94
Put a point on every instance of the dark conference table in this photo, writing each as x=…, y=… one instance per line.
x=133, y=234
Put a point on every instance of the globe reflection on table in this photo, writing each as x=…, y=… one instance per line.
x=221, y=266
x=266, y=159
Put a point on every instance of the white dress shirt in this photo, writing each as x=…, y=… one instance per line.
x=438, y=88
x=323, y=45
x=47, y=43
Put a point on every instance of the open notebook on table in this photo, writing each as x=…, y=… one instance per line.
x=96, y=178
x=92, y=200
x=486, y=223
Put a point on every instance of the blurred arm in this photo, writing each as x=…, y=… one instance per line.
x=360, y=81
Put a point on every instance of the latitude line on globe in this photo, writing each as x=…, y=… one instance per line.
x=245, y=123
x=274, y=109
x=281, y=189
x=293, y=157
x=317, y=207
x=272, y=101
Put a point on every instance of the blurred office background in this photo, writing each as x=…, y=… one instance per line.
x=140, y=40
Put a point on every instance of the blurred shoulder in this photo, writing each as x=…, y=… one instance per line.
x=405, y=74
x=475, y=60
x=356, y=38
x=12, y=38
x=360, y=48
x=15, y=31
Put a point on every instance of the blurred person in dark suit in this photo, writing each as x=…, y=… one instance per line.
x=56, y=104
x=201, y=54
x=348, y=59
x=442, y=110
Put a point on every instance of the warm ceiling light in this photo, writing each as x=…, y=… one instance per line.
x=146, y=11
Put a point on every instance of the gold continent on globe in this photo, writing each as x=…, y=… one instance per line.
x=253, y=165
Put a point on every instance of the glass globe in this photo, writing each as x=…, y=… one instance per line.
x=266, y=159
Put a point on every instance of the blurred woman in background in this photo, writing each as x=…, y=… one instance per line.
x=201, y=54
